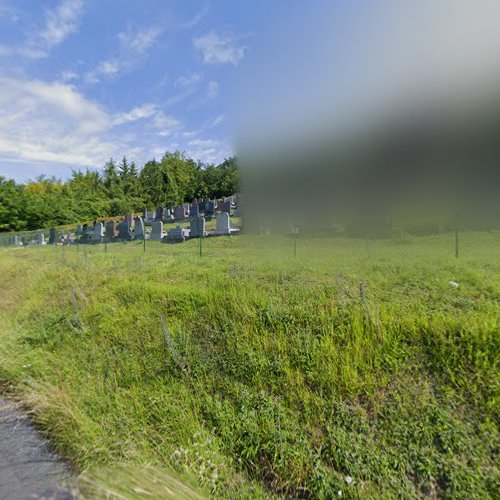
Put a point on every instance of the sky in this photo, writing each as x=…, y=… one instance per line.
x=82, y=81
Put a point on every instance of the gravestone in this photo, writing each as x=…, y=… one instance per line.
x=98, y=233
x=15, y=241
x=177, y=235
x=197, y=227
x=202, y=205
x=210, y=208
x=225, y=206
x=195, y=201
x=111, y=230
x=159, y=213
x=139, y=233
x=79, y=230
x=52, y=236
x=40, y=239
x=124, y=231
x=130, y=220
x=144, y=213
x=194, y=211
x=179, y=213
x=223, y=225
x=157, y=230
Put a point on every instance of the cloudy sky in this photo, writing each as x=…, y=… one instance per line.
x=82, y=81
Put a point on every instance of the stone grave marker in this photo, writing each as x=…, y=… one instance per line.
x=179, y=213
x=157, y=230
x=52, y=236
x=124, y=231
x=139, y=233
x=197, y=227
x=177, y=235
x=223, y=225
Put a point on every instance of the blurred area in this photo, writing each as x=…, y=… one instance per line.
x=373, y=117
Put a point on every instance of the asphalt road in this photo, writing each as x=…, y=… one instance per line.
x=28, y=467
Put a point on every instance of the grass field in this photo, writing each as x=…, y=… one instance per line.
x=333, y=367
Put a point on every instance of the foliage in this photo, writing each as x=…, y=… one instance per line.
x=118, y=189
x=290, y=384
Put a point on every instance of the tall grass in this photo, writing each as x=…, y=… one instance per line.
x=254, y=372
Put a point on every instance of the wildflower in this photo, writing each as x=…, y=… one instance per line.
x=454, y=284
x=339, y=493
x=348, y=479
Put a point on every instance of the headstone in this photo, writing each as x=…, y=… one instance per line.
x=157, y=230
x=15, y=241
x=223, y=225
x=79, y=230
x=111, y=230
x=194, y=211
x=124, y=231
x=145, y=213
x=52, y=236
x=197, y=227
x=210, y=208
x=130, y=220
x=195, y=201
x=98, y=233
x=179, y=213
x=40, y=239
x=151, y=216
x=177, y=235
x=225, y=206
x=139, y=233
x=159, y=213
x=202, y=205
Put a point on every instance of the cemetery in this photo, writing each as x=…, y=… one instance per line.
x=165, y=224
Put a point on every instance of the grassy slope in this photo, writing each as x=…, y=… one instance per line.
x=280, y=379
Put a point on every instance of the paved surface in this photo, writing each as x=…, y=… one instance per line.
x=28, y=468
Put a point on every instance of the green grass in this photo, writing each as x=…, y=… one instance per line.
x=275, y=378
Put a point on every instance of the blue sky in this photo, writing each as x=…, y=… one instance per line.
x=85, y=80
x=82, y=81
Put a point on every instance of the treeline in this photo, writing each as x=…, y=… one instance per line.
x=120, y=188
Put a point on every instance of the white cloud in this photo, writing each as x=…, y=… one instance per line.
x=51, y=126
x=61, y=22
x=139, y=42
x=133, y=48
x=217, y=121
x=69, y=75
x=51, y=122
x=188, y=81
x=138, y=113
x=219, y=50
x=109, y=69
x=165, y=123
x=198, y=17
